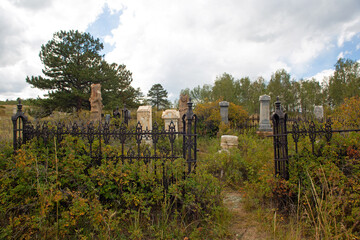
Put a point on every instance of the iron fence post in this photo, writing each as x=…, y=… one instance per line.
x=190, y=137
x=281, y=157
x=19, y=124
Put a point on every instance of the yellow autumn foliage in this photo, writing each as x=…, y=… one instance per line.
x=209, y=119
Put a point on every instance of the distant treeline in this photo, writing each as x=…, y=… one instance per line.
x=15, y=102
x=295, y=95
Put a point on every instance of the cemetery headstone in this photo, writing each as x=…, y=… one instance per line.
x=144, y=116
x=319, y=112
x=95, y=102
x=107, y=118
x=229, y=141
x=171, y=115
x=264, y=123
x=224, y=111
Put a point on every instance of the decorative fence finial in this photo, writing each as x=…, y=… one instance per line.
x=19, y=105
x=277, y=103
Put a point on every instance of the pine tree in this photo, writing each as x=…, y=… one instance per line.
x=158, y=96
x=72, y=62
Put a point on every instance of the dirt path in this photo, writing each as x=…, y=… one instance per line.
x=243, y=226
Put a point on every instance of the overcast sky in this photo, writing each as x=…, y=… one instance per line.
x=184, y=43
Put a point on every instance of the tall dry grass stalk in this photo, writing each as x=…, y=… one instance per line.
x=6, y=129
x=320, y=208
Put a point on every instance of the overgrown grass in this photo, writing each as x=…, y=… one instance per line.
x=45, y=194
x=6, y=126
x=51, y=192
x=321, y=199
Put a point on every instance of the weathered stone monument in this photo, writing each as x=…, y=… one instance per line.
x=95, y=102
x=319, y=112
x=224, y=111
x=264, y=122
x=144, y=116
x=228, y=141
x=183, y=107
x=171, y=115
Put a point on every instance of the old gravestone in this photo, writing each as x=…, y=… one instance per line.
x=229, y=141
x=144, y=116
x=95, y=102
x=171, y=115
x=224, y=111
x=319, y=112
x=264, y=123
x=183, y=107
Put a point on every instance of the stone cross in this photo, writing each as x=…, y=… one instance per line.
x=95, y=102
x=171, y=115
x=183, y=107
x=264, y=124
x=224, y=111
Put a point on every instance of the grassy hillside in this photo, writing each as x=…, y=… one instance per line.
x=6, y=111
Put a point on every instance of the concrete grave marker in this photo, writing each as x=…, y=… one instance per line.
x=229, y=141
x=144, y=116
x=319, y=112
x=224, y=111
x=171, y=115
x=264, y=123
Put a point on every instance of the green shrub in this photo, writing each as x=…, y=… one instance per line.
x=240, y=166
x=50, y=191
x=209, y=119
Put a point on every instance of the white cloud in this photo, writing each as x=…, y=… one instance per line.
x=181, y=43
x=341, y=55
x=324, y=75
x=25, y=26
x=187, y=43
x=348, y=31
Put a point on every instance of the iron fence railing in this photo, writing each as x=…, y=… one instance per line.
x=251, y=123
x=314, y=130
x=134, y=144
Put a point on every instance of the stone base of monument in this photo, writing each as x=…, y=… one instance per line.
x=264, y=134
x=95, y=116
x=264, y=129
x=229, y=141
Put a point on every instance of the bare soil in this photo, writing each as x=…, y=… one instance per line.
x=243, y=224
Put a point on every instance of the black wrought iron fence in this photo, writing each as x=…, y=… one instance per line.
x=250, y=124
x=281, y=155
x=314, y=130
x=134, y=144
